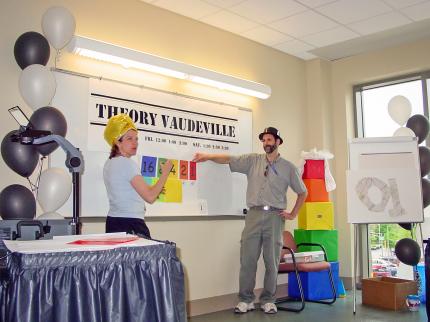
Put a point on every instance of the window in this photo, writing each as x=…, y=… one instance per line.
x=373, y=120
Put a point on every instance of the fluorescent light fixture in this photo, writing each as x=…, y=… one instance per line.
x=130, y=58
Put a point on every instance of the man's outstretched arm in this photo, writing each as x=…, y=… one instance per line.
x=217, y=158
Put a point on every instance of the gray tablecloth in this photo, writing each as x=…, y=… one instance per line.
x=119, y=285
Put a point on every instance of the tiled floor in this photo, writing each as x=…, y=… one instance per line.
x=341, y=311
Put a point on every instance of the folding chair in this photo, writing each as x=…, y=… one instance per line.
x=294, y=267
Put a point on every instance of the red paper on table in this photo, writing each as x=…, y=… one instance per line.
x=104, y=241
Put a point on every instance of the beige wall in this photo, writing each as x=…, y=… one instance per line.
x=311, y=104
x=209, y=249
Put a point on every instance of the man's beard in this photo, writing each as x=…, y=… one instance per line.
x=270, y=148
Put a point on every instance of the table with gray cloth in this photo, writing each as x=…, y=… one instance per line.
x=124, y=284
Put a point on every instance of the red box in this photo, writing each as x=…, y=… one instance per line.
x=314, y=169
x=316, y=190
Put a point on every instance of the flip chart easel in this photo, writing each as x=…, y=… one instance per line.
x=383, y=185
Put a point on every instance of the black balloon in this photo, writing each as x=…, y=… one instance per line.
x=48, y=119
x=17, y=202
x=425, y=184
x=31, y=48
x=419, y=124
x=424, y=153
x=408, y=251
x=19, y=157
x=406, y=226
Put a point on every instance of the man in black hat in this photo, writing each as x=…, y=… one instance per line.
x=269, y=177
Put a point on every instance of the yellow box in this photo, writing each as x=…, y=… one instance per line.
x=316, y=216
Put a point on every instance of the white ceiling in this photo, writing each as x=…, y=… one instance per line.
x=328, y=29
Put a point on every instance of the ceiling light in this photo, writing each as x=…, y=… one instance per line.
x=130, y=58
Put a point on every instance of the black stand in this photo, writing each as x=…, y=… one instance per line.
x=76, y=224
x=74, y=162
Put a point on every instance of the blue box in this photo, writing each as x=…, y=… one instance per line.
x=316, y=285
x=422, y=286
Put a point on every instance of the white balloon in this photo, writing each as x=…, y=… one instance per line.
x=404, y=131
x=37, y=85
x=399, y=108
x=55, y=186
x=50, y=215
x=58, y=25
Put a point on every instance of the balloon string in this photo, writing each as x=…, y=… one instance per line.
x=32, y=186
x=57, y=57
x=35, y=186
x=38, y=177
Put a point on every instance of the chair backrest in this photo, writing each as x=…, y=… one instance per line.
x=288, y=240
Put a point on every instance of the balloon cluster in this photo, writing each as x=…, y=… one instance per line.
x=407, y=250
x=399, y=108
x=37, y=87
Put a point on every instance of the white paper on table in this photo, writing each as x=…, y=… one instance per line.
x=61, y=245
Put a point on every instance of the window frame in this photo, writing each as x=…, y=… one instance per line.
x=359, y=130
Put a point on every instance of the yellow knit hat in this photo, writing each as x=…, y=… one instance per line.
x=117, y=126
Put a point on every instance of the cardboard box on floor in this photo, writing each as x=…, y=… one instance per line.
x=387, y=292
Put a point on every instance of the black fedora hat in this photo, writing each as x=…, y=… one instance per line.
x=271, y=130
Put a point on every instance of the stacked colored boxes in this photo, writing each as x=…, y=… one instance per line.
x=316, y=217
x=316, y=225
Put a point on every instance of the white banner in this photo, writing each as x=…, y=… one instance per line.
x=170, y=127
x=164, y=129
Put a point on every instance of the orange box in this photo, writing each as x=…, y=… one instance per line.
x=316, y=190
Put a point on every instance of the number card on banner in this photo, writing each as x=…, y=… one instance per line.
x=148, y=166
x=160, y=162
x=174, y=172
x=183, y=170
x=172, y=191
x=193, y=171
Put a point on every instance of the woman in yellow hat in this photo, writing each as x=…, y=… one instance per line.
x=127, y=190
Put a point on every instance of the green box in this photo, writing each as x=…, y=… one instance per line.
x=327, y=238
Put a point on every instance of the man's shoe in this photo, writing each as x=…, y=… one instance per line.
x=244, y=307
x=269, y=308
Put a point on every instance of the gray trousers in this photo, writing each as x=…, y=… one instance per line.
x=263, y=230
